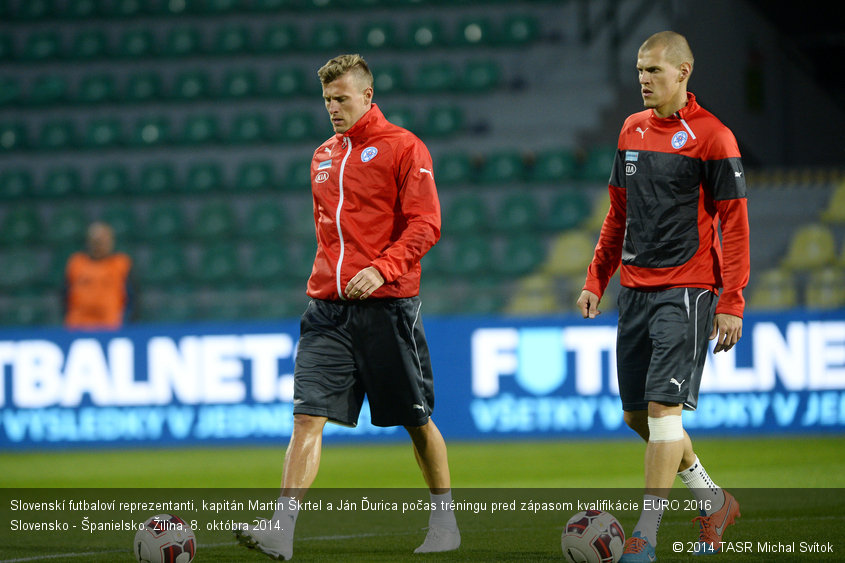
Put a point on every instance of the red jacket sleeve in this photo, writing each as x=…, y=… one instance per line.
x=419, y=221
x=736, y=263
x=608, y=253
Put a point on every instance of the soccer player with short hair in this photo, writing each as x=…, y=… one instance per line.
x=676, y=181
x=376, y=213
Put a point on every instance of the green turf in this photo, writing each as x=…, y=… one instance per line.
x=766, y=472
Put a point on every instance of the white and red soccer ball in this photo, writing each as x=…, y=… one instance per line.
x=165, y=538
x=592, y=536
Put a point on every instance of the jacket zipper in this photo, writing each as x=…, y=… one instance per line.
x=348, y=143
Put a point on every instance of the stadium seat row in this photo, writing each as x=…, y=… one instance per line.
x=157, y=178
x=465, y=214
x=183, y=40
x=252, y=127
x=35, y=10
x=236, y=84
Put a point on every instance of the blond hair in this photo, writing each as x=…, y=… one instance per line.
x=677, y=49
x=342, y=64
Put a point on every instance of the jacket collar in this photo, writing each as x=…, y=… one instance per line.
x=682, y=113
x=374, y=116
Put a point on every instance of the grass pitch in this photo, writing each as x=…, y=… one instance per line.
x=791, y=489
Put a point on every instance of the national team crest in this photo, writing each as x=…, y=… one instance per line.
x=679, y=139
x=368, y=154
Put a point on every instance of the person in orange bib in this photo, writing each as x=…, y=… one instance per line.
x=98, y=292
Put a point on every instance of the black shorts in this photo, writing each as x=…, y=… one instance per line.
x=661, y=345
x=377, y=348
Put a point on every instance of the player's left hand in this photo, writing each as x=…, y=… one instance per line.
x=364, y=283
x=727, y=330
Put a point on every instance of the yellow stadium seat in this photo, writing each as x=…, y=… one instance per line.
x=835, y=210
x=775, y=290
x=826, y=289
x=570, y=253
x=811, y=246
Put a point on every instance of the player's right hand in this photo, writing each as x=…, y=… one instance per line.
x=588, y=304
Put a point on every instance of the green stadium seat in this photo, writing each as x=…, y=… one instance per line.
x=471, y=256
x=203, y=178
x=217, y=263
x=298, y=175
x=475, y=31
x=255, y=175
x=89, y=45
x=453, y=168
x=192, y=85
x=327, y=36
x=81, y=9
x=48, y=89
x=521, y=255
x=104, y=133
x=502, y=167
x=165, y=222
x=287, y=82
x=264, y=221
x=218, y=7
x=166, y=265
x=97, y=88
x=182, y=41
x=200, y=129
x=110, y=179
x=42, y=46
x=15, y=183
x=297, y=127
x=155, y=178
x=57, y=134
x=519, y=29
x=377, y=35
x=435, y=76
x=517, y=213
x=13, y=136
x=567, y=210
x=123, y=8
x=269, y=261
x=7, y=51
x=60, y=182
x=21, y=269
x=466, y=213
x=481, y=75
x=151, y=131
x=273, y=5
x=232, y=40
x=67, y=225
x=33, y=10
x=215, y=220
x=240, y=83
x=10, y=91
x=443, y=121
x=598, y=164
x=143, y=86
x=137, y=44
x=403, y=116
x=248, y=128
x=21, y=226
x=121, y=217
x=280, y=38
x=424, y=33
x=553, y=166
x=388, y=79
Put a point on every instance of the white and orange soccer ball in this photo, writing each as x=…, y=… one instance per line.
x=592, y=536
x=165, y=538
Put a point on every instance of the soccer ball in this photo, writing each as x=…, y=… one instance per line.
x=165, y=538
x=592, y=536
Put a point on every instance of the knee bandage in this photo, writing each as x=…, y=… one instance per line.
x=665, y=429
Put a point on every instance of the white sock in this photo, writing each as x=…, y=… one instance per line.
x=650, y=518
x=442, y=513
x=709, y=495
x=287, y=510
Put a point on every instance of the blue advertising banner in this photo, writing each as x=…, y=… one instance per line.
x=495, y=378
